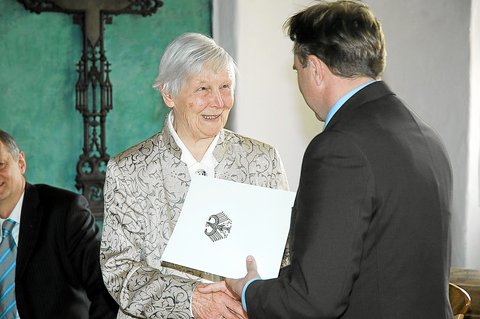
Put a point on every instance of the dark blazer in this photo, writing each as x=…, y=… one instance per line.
x=370, y=231
x=58, y=270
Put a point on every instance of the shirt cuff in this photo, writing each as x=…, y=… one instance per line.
x=244, y=290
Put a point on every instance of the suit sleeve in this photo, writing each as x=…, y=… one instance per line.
x=141, y=290
x=330, y=218
x=83, y=246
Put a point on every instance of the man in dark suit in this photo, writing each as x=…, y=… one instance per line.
x=370, y=233
x=57, y=271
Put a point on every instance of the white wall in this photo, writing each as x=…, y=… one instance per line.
x=428, y=66
x=473, y=194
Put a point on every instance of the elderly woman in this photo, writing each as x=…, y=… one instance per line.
x=146, y=185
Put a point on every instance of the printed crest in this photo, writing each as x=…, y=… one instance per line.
x=218, y=226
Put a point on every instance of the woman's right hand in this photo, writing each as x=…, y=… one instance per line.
x=216, y=305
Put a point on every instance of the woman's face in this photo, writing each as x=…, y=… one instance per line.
x=201, y=108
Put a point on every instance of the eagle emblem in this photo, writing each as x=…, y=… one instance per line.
x=218, y=226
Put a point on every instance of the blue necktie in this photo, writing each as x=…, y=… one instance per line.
x=8, y=257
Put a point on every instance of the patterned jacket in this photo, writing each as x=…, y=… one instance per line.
x=144, y=192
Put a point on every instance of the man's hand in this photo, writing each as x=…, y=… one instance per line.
x=234, y=286
x=216, y=304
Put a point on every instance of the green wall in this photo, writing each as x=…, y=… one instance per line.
x=38, y=55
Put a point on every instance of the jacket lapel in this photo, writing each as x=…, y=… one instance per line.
x=30, y=227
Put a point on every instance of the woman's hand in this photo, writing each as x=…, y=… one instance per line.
x=216, y=304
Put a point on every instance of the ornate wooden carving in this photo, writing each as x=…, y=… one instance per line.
x=93, y=90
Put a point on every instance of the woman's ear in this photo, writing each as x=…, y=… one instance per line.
x=167, y=98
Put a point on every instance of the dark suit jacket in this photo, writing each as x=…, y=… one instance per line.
x=58, y=270
x=370, y=223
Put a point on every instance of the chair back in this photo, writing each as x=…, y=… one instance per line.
x=459, y=300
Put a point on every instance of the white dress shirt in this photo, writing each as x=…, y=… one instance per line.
x=15, y=215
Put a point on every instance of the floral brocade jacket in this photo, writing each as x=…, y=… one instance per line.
x=145, y=189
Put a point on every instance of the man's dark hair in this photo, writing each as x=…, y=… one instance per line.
x=344, y=34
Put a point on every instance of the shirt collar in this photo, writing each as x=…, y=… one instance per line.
x=342, y=101
x=208, y=162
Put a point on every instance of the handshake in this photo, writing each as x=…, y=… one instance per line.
x=224, y=299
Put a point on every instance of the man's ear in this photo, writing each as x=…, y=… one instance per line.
x=22, y=163
x=317, y=68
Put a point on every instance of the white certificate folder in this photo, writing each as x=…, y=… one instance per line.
x=222, y=222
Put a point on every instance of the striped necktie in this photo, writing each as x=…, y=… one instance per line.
x=8, y=257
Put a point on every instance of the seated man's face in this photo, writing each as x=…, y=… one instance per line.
x=11, y=180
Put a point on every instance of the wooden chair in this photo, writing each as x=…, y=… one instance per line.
x=459, y=300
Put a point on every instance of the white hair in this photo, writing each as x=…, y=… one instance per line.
x=186, y=56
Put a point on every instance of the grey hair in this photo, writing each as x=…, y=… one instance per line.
x=186, y=56
x=10, y=143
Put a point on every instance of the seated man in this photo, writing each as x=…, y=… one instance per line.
x=54, y=241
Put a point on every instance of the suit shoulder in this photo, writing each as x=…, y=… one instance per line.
x=337, y=143
x=52, y=191
x=51, y=196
